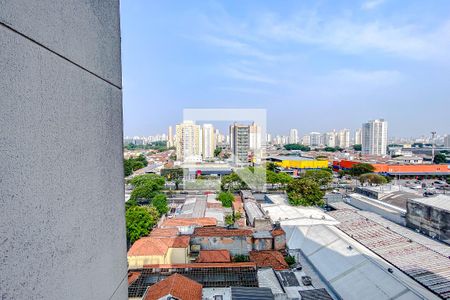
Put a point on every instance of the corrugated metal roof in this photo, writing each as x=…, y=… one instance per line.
x=316, y=294
x=250, y=293
x=427, y=267
x=439, y=201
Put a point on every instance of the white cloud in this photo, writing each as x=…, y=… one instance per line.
x=372, y=4
x=247, y=75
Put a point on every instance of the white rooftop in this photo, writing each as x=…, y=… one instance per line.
x=439, y=201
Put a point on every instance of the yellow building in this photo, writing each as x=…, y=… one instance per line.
x=159, y=250
x=297, y=162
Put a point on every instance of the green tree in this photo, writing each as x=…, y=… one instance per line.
x=232, y=218
x=160, y=203
x=226, y=198
x=290, y=260
x=305, y=191
x=284, y=178
x=297, y=147
x=321, y=177
x=217, y=151
x=372, y=179
x=241, y=258
x=232, y=183
x=270, y=166
x=128, y=167
x=147, y=178
x=146, y=186
x=361, y=168
x=141, y=158
x=440, y=159
x=329, y=149
x=357, y=147
x=138, y=222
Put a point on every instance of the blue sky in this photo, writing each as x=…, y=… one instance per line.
x=314, y=65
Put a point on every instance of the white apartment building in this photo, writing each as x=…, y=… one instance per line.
x=208, y=141
x=293, y=136
x=315, y=139
x=306, y=140
x=170, y=142
x=329, y=139
x=343, y=138
x=358, y=136
x=375, y=137
x=447, y=141
x=188, y=141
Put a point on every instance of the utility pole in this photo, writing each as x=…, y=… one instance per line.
x=433, y=134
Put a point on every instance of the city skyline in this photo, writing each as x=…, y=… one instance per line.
x=313, y=66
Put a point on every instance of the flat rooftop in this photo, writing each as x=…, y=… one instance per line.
x=439, y=201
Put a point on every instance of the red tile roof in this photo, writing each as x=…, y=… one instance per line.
x=203, y=265
x=148, y=246
x=188, y=222
x=133, y=276
x=164, y=232
x=177, y=286
x=221, y=231
x=214, y=256
x=278, y=231
x=269, y=258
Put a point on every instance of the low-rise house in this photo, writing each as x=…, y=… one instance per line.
x=236, y=241
x=158, y=250
x=214, y=256
x=269, y=259
x=174, y=287
x=262, y=240
x=279, y=237
x=187, y=225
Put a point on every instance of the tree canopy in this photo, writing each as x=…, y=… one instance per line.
x=139, y=221
x=357, y=147
x=361, y=168
x=133, y=164
x=160, y=203
x=226, y=198
x=232, y=183
x=440, y=159
x=372, y=179
x=297, y=147
x=322, y=177
x=305, y=191
x=146, y=186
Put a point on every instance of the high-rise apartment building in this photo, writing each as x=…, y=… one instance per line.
x=358, y=136
x=315, y=139
x=374, y=137
x=306, y=140
x=447, y=141
x=343, y=138
x=293, y=136
x=329, y=139
x=188, y=141
x=208, y=141
x=170, y=142
x=240, y=142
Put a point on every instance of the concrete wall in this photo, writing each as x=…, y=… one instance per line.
x=237, y=245
x=429, y=220
x=62, y=229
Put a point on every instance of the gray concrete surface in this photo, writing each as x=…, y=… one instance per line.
x=84, y=31
x=62, y=227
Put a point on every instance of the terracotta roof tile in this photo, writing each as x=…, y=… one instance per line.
x=157, y=245
x=278, y=231
x=164, y=232
x=221, y=231
x=176, y=285
x=133, y=276
x=214, y=256
x=269, y=258
x=188, y=222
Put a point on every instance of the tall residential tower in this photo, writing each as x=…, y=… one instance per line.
x=374, y=137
